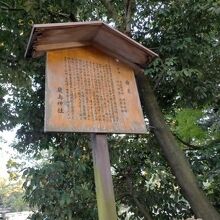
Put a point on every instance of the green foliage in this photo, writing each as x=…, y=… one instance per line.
x=63, y=186
x=139, y=167
x=205, y=163
x=11, y=195
x=187, y=124
x=12, y=168
x=5, y=113
x=185, y=78
x=186, y=37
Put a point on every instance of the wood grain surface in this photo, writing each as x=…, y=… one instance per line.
x=89, y=91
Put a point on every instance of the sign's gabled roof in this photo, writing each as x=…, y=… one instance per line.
x=45, y=37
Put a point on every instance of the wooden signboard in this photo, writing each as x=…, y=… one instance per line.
x=89, y=91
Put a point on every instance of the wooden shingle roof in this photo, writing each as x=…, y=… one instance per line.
x=45, y=37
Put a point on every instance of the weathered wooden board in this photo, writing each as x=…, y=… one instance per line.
x=89, y=91
x=103, y=178
x=45, y=37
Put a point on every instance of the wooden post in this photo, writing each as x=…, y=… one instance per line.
x=103, y=179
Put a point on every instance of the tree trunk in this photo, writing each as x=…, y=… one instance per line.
x=174, y=155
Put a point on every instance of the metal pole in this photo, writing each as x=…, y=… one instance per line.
x=103, y=179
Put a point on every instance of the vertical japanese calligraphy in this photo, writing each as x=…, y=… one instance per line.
x=94, y=93
x=60, y=100
x=95, y=96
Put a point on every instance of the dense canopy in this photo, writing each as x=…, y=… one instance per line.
x=185, y=79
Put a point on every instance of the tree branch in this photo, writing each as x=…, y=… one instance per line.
x=191, y=146
x=7, y=7
x=145, y=212
x=110, y=9
x=5, y=4
x=174, y=155
x=143, y=209
x=128, y=16
x=70, y=16
x=11, y=9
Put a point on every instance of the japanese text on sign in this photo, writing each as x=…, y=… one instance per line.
x=88, y=91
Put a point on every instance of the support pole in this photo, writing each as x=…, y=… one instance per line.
x=103, y=179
